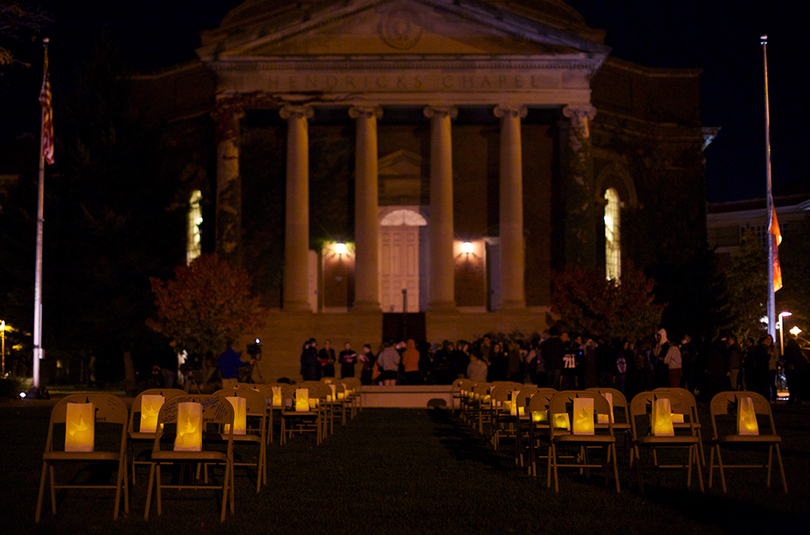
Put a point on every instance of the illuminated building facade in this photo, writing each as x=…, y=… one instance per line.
x=443, y=156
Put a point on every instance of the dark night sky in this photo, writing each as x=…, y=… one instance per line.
x=717, y=36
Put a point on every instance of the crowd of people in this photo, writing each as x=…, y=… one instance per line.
x=565, y=360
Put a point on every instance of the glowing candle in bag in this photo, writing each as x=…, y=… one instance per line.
x=302, y=399
x=150, y=407
x=662, y=418
x=80, y=421
x=605, y=418
x=583, y=416
x=189, y=427
x=513, y=409
x=277, y=400
x=539, y=416
x=333, y=395
x=561, y=421
x=746, y=417
x=239, y=415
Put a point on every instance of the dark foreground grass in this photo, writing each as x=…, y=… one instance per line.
x=395, y=471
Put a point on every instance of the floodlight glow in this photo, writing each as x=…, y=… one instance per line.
x=340, y=248
x=467, y=247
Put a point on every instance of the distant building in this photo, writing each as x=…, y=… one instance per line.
x=363, y=156
x=727, y=222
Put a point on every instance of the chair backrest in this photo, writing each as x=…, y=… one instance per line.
x=318, y=389
x=690, y=398
x=619, y=402
x=539, y=400
x=499, y=394
x=563, y=402
x=135, y=414
x=525, y=395
x=466, y=386
x=352, y=385
x=642, y=405
x=108, y=410
x=265, y=390
x=216, y=410
x=727, y=402
x=255, y=404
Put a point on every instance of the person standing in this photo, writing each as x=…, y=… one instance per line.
x=327, y=359
x=773, y=367
x=795, y=370
x=347, y=359
x=410, y=363
x=735, y=361
x=228, y=365
x=368, y=359
x=388, y=361
x=573, y=361
x=553, y=350
x=310, y=367
x=477, y=369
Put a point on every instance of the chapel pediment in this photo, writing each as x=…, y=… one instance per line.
x=413, y=28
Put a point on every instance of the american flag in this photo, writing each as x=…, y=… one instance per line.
x=47, y=118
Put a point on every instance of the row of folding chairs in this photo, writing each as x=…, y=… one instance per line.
x=172, y=427
x=144, y=435
x=541, y=423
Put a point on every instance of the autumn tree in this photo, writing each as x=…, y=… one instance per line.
x=586, y=302
x=207, y=303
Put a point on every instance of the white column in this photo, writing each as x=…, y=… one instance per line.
x=511, y=208
x=442, y=265
x=366, y=224
x=296, y=242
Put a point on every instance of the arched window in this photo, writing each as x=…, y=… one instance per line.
x=195, y=219
x=613, y=247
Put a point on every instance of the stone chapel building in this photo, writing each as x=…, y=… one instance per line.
x=362, y=158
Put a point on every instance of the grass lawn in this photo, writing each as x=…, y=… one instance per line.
x=416, y=471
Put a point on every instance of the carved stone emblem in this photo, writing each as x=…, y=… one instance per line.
x=401, y=28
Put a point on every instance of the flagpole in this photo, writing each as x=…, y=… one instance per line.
x=40, y=221
x=769, y=196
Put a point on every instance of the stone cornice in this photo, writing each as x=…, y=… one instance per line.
x=377, y=63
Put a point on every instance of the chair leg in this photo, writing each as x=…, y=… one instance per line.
x=119, y=480
x=770, y=463
x=41, y=490
x=722, y=472
x=224, y=494
x=781, y=468
x=52, y=473
x=158, y=482
x=699, y=470
x=126, y=488
x=616, y=468
x=149, y=492
x=689, y=467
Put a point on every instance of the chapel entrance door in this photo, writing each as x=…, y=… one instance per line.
x=399, y=267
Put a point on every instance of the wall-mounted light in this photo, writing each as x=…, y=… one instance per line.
x=340, y=248
x=467, y=247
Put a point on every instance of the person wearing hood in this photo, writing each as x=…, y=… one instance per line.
x=669, y=358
